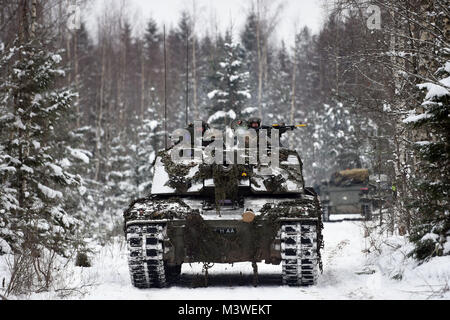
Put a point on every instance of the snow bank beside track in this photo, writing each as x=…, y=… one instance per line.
x=352, y=270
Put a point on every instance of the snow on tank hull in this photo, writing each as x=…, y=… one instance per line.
x=257, y=218
x=197, y=235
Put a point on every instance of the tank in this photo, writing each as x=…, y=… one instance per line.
x=225, y=213
x=348, y=192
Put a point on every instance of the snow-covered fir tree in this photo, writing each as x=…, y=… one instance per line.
x=335, y=147
x=430, y=200
x=150, y=137
x=75, y=158
x=280, y=88
x=36, y=176
x=8, y=204
x=232, y=93
x=252, y=43
x=120, y=181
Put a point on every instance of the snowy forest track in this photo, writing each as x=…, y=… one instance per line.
x=343, y=256
x=196, y=280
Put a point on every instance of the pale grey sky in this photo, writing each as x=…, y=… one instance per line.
x=295, y=14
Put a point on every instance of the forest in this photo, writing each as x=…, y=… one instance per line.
x=82, y=112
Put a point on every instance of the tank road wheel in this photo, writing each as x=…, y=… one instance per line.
x=145, y=255
x=299, y=253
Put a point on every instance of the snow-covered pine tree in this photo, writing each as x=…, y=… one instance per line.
x=81, y=136
x=249, y=40
x=334, y=141
x=210, y=57
x=71, y=146
x=176, y=74
x=431, y=231
x=120, y=185
x=232, y=93
x=36, y=180
x=153, y=62
x=150, y=138
x=304, y=99
x=279, y=92
x=8, y=200
x=306, y=74
x=129, y=166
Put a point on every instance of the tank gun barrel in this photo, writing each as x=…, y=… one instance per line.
x=283, y=128
x=295, y=126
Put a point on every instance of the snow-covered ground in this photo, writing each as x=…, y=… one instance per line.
x=350, y=272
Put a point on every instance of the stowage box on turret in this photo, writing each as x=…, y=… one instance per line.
x=218, y=213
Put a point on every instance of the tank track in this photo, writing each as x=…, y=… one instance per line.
x=300, y=260
x=145, y=255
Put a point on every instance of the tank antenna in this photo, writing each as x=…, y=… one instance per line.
x=165, y=89
x=187, y=76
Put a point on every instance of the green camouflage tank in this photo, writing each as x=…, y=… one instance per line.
x=218, y=213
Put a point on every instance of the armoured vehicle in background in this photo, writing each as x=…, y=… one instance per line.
x=382, y=194
x=218, y=213
x=348, y=192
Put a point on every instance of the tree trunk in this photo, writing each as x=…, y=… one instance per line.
x=194, y=79
x=194, y=62
x=33, y=19
x=142, y=100
x=77, y=79
x=293, y=101
x=260, y=66
x=22, y=21
x=100, y=112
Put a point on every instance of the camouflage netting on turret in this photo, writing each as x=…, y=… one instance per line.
x=349, y=177
x=178, y=173
x=227, y=178
x=226, y=182
x=158, y=209
x=275, y=184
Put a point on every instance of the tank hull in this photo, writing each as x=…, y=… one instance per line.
x=162, y=234
x=224, y=241
x=348, y=200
